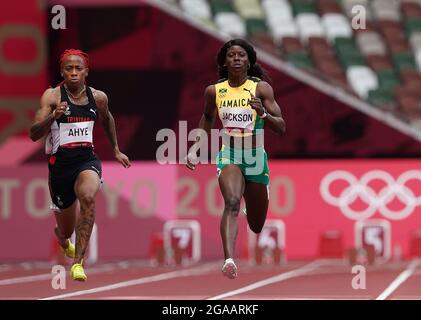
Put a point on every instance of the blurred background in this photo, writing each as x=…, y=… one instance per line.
x=345, y=176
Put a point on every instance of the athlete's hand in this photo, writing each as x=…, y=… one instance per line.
x=256, y=104
x=60, y=109
x=191, y=160
x=123, y=159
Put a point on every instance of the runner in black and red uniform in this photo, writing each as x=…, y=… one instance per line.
x=67, y=115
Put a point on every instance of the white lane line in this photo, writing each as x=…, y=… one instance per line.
x=124, y=284
x=401, y=278
x=278, y=278
x=48, y=276
x=38, y=277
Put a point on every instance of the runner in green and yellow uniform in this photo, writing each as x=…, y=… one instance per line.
x=245, y=105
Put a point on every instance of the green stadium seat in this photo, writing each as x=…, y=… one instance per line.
x=300, y=59
x=380, y=97
x=221, y=6
x=348, y=53
x=255, y=25
x=344, y=46
x=388, y=80
x=403, y=60
x=303, y=6
x=412, y=26
x=352, y=60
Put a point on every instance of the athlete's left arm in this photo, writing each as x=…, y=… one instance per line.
x=108, y=123
x=274, y=119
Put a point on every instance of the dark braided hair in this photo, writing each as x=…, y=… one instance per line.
x=255, y=69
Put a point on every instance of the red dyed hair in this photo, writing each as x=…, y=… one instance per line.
x=75, y=52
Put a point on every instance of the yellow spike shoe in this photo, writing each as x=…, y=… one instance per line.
x=70, y=251
x=77, y=273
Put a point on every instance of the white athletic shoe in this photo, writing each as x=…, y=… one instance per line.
x=229, y=269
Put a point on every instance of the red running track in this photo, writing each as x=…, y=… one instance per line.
x=319, y=279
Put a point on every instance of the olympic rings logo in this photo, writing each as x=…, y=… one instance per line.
x=376, y=201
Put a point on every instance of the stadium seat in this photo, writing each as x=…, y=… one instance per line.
x=381, y=98
x=300, y=60
x=410, y=75
x=403, y=60
x=328, y=6
x=336, y=25
x=348, y=53
x=231, y=23
x=309, y=25
x=264, y=41
x=197, y=8
x=249, y=9
x=303, y=6
x=386, y=9
x=219, y=6
x=388, y=80
x=415, y=41
x=412, y=25
x=370, y=43
x=286, y=28
x=330, y=67
x=362, y=79
x=291, y=45
x=318, y=46
x=278, y=9
x=255, y=25
x=379, y=62
x=411, y=9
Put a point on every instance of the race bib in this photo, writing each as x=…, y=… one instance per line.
x=76, y=132
x=241, y=118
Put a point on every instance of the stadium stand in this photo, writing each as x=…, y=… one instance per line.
x=380, y=64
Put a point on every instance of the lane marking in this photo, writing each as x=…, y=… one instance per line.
x=278, y=278
x=124, y=284
x=401, y=278
x=38, y=277
x=47, y=276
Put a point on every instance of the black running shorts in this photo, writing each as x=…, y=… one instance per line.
x=62, y=180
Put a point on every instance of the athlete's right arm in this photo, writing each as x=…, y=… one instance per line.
x=206, y=124
x=45, y=115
